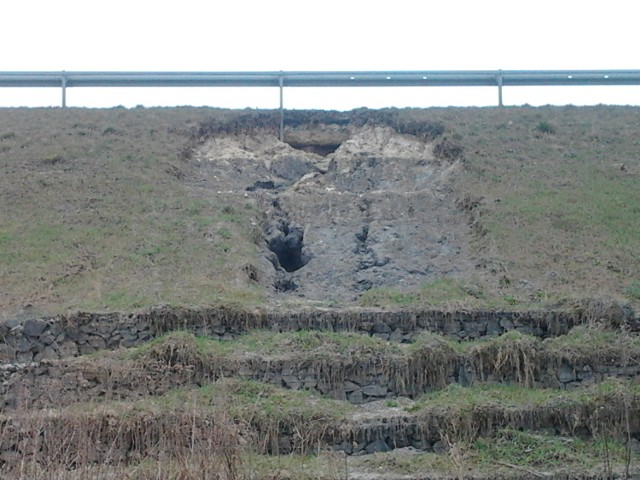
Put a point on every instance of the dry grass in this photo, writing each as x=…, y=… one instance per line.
x=99, y=445
x=216, y=432
x=556, y=213
x=202, y=433
x=103, y=210
x=508, y=455
x=431, y=363
x=100, y=213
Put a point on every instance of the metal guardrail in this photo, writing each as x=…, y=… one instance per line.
x=463, y=78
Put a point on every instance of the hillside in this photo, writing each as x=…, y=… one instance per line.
x=438, y=293
x=124, y=209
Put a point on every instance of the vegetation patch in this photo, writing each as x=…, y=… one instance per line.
x=229, y=418
x=108, y=210
x=115, y=223
x=442, y=293
x=431, y=361
x=508, y=454
x=588, y=344
x=512, y=355
x=305, y=343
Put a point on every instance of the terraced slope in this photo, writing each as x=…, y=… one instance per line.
x=341, y=396
x=447, y=293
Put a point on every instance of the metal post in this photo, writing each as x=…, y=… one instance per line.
x=281, y=107
x=499, y=79
x=64, y=91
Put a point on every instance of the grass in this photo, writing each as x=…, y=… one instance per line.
x=254, y=413
x=461, y=398
x=465, y=398
x=451, y=294
x=229, y=422
x=102, y=210
x=324, y=343
x=310, y=344
x=558, y=211
x=509, y=453
x=582, y=343
x=582, y=458
x=597, y=204
x=441, y=293
x=585, y=342
x=109, y=225
x=246, y=399
x=560, y=218
x=516, y=361
x=538, y=451
x=633, y=290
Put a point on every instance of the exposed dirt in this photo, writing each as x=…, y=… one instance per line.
x=374, y=209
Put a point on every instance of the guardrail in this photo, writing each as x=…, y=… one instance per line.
x=281, y=79
x=463, y=78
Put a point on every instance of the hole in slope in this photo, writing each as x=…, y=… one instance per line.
x=320, y=139
x=322, y=149
x=261, y=184
x=287, y=243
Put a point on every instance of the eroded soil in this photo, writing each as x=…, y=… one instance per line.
x=373, y=209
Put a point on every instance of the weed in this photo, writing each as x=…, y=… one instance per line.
x=377, y=297
x=226, y=234
x=546, y=127
x=443, y=292
x=633, y=290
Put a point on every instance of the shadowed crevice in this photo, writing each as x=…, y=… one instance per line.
x=287, y=243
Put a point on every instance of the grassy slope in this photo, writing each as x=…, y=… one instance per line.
x=99, y=212
x=554, y=199
x=583, y=344
x=562, y=209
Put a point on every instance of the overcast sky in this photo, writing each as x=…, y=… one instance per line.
x=247, y=35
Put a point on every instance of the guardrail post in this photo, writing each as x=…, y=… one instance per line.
x=499, y=80
x=64, y=90
x=281, y=83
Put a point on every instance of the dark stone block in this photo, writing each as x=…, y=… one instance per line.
x=34, y=328
x=375, y=390
x=377, y=446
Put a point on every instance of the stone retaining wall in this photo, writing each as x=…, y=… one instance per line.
x=132, y=435
x=69, y=336
x=52, y=383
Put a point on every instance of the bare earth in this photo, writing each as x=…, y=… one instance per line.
x=378, y=212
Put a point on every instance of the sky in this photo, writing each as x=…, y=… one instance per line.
x=254, y=35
